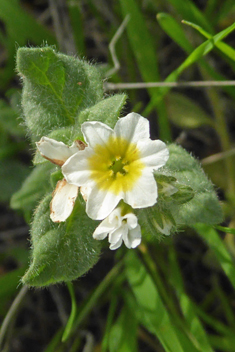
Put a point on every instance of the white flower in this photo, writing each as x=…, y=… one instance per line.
x=117, y=164
x=119, y=228
x=65, y=194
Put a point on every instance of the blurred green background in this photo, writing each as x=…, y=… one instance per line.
x=177, y=295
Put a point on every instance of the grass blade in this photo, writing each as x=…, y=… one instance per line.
x=225, y=229
x=223, y=47
x=195, y=326
x=143, y=48
x=189, y=10
x=175, y=32
x=153, y=314
x=214, y=241
x=195, y=56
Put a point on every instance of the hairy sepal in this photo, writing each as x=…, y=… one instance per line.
x=194, y=199
x=204, y=206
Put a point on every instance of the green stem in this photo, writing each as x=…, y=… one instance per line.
x=71, y=319
x=99, y=291
x=153, y=271
x=11, y=313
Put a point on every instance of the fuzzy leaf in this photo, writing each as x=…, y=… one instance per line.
x=184, y=194
x=55, y=177
x=61, y=252
x=56, y=88
x=204, y=207
x=106, y=111
x=193, y=198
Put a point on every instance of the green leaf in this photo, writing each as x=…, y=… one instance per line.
x=76, y=17
x=21, y=29
x=123, y=334
x=223, y=47
x=152, y=312
x=204, y=207
x=144, y=51
x=204, y=48
x=195, y=56
x=187, y=306
x=106, y=111
x=56, y=88
x=152, y=218
x=174, y=30
x=61, y=252
x=222, y=343
x=33, y=188
x=217, y=245
x=225, y=229
x=55, y=177
x=9, y=283
x=97, y=294
x=183, y=195
x=187, y=9
x=191, y=197
x=185, y=113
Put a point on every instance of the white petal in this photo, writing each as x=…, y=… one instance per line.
x=63, y=200
x=85, y=191
x=56, y=152
x=132, y=220
x=96, y=133
x=101, y=203
x=76, y=169
x=144, y=193
x=115, y=218
x=132, y=127
x=153, y=153
x=108, y=225
x=133, y=238
x=102, y=230
x=116, y=245
x=115, y=236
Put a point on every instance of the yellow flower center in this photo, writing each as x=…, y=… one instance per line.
x=116, y=166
